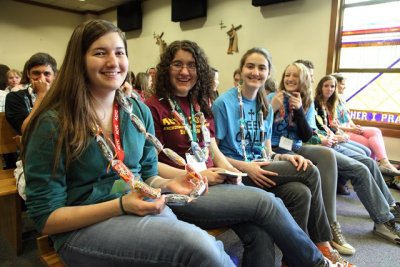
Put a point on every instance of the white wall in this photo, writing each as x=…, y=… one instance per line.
x=27, y=29
x=292, y=30
x=392, y=148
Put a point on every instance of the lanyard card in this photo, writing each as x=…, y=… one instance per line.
x=286, y=143
x=193, y=162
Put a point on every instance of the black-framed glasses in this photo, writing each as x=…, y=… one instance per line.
x=178, y=66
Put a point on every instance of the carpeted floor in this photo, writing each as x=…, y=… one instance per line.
x=356, y=225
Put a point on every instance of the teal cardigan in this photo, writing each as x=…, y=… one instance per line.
x=88, y=179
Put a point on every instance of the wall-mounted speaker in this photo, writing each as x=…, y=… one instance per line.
x=266, y=2
x=182, y=10
x=129, y=16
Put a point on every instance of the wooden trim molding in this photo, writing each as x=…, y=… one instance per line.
x=389, y=130
x=334, y=37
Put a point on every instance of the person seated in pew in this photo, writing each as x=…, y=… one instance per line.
x=86, y=139
x=183, y=122
x=370, y=137
x=236, y=77
x=364, y=175
x=243, y=121
x=13, y=80
x=38, y=75
x=326, y=101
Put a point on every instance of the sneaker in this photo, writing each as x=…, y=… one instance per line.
x=334, y=257
x=328, y=263
x=389, y=230
x=342, y=189
x=396, y=182
x=395, y=210
x=387, y=170
x=339, y=242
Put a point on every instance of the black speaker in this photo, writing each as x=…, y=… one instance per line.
x=266, y=2
x=182, y=10
x=129, y=16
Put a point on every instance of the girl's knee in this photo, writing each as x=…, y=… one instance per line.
x=313, y=174
x=302, y=194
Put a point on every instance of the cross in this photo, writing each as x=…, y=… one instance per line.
x=221, y=25
x=251, y=112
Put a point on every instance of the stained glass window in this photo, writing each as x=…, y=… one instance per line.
x=370, y=59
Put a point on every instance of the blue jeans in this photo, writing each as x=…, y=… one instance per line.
x=159, y=240
x=259, y=219
x=367, y=181
x=357, y=147
x=301, y=193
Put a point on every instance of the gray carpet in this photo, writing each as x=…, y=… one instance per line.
x=356, y=225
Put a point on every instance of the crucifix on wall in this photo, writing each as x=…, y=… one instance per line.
x=233, y=39
x=160, y=42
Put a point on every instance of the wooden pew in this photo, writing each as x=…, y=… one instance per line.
x=47, y=254
x=10, y=201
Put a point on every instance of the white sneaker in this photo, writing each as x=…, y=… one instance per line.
x=339, y=242
x=328, y=263
x=389, y=230
x=395, y=210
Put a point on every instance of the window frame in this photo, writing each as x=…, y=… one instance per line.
x=334, y=46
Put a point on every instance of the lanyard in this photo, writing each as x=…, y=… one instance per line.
x=260, y=121
x=201, y=154
x=117, y=138
x=192, y=134
x=116, y=160
x=286, y=115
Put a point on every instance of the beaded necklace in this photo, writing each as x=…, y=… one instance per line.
x=266, y=155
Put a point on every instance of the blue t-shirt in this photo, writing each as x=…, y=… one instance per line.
x=227, y=126
x=284, y=126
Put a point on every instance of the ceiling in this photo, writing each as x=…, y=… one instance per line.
x=78, y=6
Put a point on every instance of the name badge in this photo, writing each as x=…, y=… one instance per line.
x=286, y=143
x=194, y=163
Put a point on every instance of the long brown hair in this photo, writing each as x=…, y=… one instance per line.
x=70, y=97
x=332, y=102
x=202, y=91
x=261, y=94
x=304, y=84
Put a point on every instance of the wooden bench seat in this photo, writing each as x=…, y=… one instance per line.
x=10, y=201
x=10, y=210
x=47, y=254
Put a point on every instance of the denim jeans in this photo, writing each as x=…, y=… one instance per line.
x=301, y=193
x=153, y=240
x=357, y=147
x=258, y=218
x=367, y=181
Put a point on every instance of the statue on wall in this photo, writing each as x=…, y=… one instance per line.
x=233, y=39
x=160, y=42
